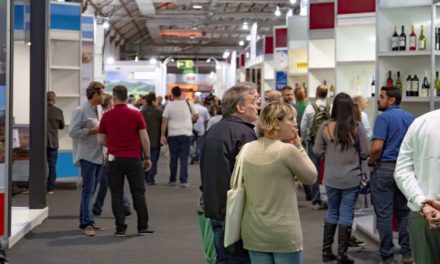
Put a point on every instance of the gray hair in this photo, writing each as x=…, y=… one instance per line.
x=235, y=96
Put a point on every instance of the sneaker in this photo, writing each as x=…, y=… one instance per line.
x=184, y=185
x=319, y=207
x=98, y=228
x=88, y=231
x=407, y=260
x=50, y=192
x=172, y=184
x=145, y=231
x=120, y=233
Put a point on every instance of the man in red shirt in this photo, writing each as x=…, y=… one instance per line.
x=123, y=131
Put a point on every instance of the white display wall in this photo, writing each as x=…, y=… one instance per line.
x=21, y=80
x=321, y=62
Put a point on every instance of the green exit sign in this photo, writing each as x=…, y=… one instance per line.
x=185, y=64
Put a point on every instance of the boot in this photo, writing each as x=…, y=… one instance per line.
x=344, y=234
x=329, y=234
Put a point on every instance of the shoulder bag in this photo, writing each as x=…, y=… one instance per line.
x=235, y=202
x=364, y=186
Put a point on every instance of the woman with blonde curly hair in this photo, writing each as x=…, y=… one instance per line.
x=271, y=228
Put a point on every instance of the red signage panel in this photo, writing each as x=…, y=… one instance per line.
x=356, y=6
x=322, y=16
x=280, y=38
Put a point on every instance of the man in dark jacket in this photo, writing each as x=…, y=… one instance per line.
x=222, y=144
x=153, y=119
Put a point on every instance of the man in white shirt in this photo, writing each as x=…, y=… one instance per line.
x=199, y=128
x=306, y=132
x=416, y=175
x=178, y=117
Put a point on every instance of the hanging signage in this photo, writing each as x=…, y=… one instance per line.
x=185, y=64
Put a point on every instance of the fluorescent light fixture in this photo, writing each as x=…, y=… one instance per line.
x=197, y=6
x=245, y=26
x=248, y=37
x=110, y=60
x=226, y=54
x=106, y=25
x=208, y=60
x=290, y=13
x=241, y=43
x=293, y=1
x=136, y=58
x=278, y=11
x=153, y=61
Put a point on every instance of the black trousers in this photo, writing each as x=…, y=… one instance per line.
x=116, y=171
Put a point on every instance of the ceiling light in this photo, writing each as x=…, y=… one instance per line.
x=241, y=43
x=245, y=26
x=153, y=61
x=248, y=37
x=110, y=60
x=290, y=13
x=278, y=11
x=136, y=58
x=247, y=55
x=106, y=25
x=293, y=1
x=218, y=67
x=208, y=60
x=197, y=6
x=192, y=37
x=226, y=54
x=172, y=60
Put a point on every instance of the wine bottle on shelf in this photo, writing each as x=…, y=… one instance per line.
x=373, y=88
x=402, y=39
x=415, y=86
x=437, y=84
x=332, y=90
x=412, y=39
x=395, y=40
x=408, y=86
x=390, y=82
x=422, y=39
x=424, y=92
x=437, y=38
x=398, y=82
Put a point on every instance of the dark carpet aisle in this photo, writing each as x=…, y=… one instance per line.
x=172, y=214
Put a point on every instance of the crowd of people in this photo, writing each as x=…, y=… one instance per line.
x=288, y=141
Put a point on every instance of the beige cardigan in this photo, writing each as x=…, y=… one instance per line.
x=270, y=220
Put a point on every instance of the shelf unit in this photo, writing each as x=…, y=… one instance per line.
x=298, y=52
x=64, y=73
x=392, y=13
x=355, y=36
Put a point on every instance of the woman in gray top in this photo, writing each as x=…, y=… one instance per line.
x=337, y=141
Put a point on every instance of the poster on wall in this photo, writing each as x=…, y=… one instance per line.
x=281, y=80
x=281, y=59
x=137, y=82
x=86, y=68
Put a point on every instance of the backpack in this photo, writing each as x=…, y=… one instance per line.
x=322, y=114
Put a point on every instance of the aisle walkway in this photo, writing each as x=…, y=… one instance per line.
x=173, y=216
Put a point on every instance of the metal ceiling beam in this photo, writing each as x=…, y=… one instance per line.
x=131, y=16
x=101, y=14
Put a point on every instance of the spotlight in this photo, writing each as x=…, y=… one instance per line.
x=153, y=61
x=278, y=11
x=110, y=60
x=106, y=25
x=241, y=43
x=245, y=26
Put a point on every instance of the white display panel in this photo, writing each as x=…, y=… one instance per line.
x=65, y=53
x=317, y=77
x=354, y=78
x=68, y=105
x=65, y=141
x=356, y=43
x=65, y=82
x=390, y=17
x=321, y=53
x=405, y=3
x=297, y=61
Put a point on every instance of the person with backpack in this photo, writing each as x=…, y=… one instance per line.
x=315, y=114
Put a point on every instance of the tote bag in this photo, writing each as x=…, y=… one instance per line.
x=235, y=203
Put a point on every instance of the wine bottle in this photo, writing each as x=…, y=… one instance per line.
x=332, y=90
x=373, y=88
x=437, y=84
x=408, y=86
x=437, y=38
x=422, y=40
x=395, y=40
x=402, y=39
x=412, y=39
x=424, y=92
x=415, y=86
x=399, y=82
x=390, y=80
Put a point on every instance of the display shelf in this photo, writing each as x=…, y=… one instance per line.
x=355, y=79
x=404, y=53
x=321, y=53
x=408, y=99
x=355, y=62
x=65, y=67
x=73, y=95
x=316, y=78
x=321, y=68
x=356, y=43
x=298, y=74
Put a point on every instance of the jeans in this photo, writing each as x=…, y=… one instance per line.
x=90, y=173
x=389, y=201
x=275, y=258
x=241, y=255
x=199, y=142
x=179, y=150
x=316, y=194
x=341, y=205
x=52, y=155
x=154, y=156
x=116, y=171
x=425, y=242
x=102, y=192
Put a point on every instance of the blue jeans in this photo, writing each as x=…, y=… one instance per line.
x=275, y=258
x=52, y=155
x=341, y=205
x=241, y=255
x=90, y=173
x=315, y=193
x=179, y=150
x=199, y=142
x=154, y=156
x=102, y=192
x=388, y=201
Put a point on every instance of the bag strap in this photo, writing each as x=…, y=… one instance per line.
x=238, y=170
x=357, y=146
x=190, y=110
x=315, y=107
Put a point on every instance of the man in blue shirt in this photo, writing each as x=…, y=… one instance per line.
x=389, y=130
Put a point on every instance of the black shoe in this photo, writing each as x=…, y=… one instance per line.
x=128, y=213
x=329, y=234
x=151, y=183
x=120, y=233
x=344, y=234
x=143, y=232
